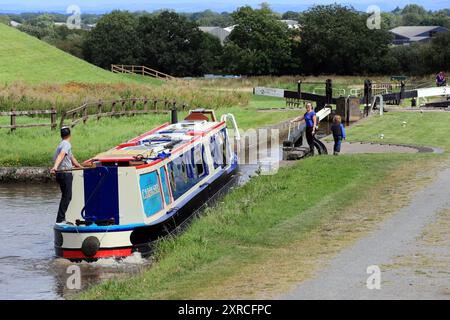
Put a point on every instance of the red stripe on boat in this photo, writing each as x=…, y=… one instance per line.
x=78, y=254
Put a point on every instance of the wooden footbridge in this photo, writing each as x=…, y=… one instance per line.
x=140, y=70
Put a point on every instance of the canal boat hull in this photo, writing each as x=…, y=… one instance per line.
x=146, y=189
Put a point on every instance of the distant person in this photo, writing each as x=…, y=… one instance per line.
x=338, y=130
x=440, y=79
x=64, y=162
x=311, y=124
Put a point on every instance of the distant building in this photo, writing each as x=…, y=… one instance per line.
x=292, y=24
x=223, y=33
x=409, y=34
x=14, y=24
x=218, y=32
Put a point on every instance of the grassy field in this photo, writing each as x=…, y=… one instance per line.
x=27, y=59
x=35, y=146
x=424, y=129
x=277, y=229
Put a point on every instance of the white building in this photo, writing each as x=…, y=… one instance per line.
x=223, y=33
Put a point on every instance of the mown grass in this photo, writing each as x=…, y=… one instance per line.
x=424, y=129
x=249, y=224
x=25, y=58
x=35, y=146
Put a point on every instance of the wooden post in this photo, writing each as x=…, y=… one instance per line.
x=63, y=116
x=85, y=114
x=133, y=106
x=113, y=108
x=145, y=105
x=13, y=120
x=53, y=119
x=99, y=109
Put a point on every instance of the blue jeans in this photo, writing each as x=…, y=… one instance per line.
x=337, y=144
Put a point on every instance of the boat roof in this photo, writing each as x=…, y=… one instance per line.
x=158, y=143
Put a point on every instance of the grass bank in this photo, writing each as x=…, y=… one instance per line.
x=246, y=246
x=25, y=58
x=277, y=230
x=423, y=129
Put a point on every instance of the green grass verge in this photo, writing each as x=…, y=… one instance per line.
x=270, y=212
x=27, y=59
x=424, y=129
x=267, y=213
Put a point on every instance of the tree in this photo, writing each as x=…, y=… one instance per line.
x=41, y=27
x=172, y=44
x=336, y=40
x=114, y=40
x=4, y=19
x=291, y=15
x=259, y=44
x=437, y=54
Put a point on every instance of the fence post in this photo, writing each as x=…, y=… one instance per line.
x=63, y=116
x=53, y=118
x=99, y=109
x=85, y=114
x=145, y=105
x=113, y=108
x=13, y=120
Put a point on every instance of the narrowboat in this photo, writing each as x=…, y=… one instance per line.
x=140, y=190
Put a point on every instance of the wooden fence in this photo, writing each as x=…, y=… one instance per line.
x=14, y=114
x=141, y=70
x=116, y=108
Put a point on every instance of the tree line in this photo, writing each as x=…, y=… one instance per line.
x=333, y=39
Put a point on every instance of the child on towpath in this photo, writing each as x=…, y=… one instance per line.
x=338, y=134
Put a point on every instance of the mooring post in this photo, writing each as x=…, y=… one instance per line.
x=174, y=114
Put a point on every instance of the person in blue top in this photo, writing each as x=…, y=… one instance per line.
x=311, y=124
x=338, y=130
x=440, y=79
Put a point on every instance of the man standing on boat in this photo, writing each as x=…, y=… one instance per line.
x=64, y=162
x=311, y=124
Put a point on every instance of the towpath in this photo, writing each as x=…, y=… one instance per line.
x=411, y=249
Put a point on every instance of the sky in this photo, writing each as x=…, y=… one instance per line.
x=101, y=6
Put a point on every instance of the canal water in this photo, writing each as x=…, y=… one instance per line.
x=28, y=267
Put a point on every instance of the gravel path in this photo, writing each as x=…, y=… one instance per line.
x=411, y=249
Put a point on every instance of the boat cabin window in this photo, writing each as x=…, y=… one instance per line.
x=152, y=198
x=219, y=149
x=165, y=186
x=186, y=171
